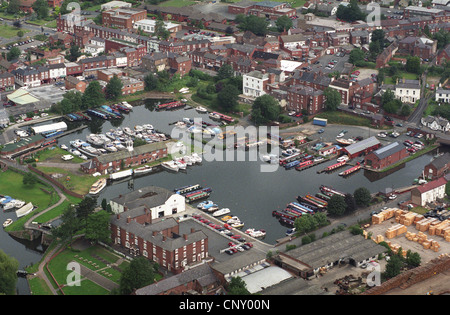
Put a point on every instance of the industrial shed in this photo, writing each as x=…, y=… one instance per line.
x=386, y=156
x=362, y=147
x=307, y=260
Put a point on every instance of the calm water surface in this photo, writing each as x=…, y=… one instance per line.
x=239, y=185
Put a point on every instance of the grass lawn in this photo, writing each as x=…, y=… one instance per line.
x=342, y=118
x=7, y=31
x=96, y=258
x=58, y=210
x=403, y=75
x=78, y=183
x=177, y=3
x=41, y=195
x=53, y=154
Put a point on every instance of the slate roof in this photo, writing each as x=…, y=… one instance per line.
x=388, y=150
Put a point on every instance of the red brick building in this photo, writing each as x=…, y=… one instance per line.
x=122, y=18
x=302, y=98
x=6, y=81
x=267, y=9
x=386, y=156
x=158, y=240
x=116, y=160
x=180, y=64
x=438, y=167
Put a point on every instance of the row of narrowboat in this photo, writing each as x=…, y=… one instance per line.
x=307, y=204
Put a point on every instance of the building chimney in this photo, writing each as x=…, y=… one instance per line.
x=118, y=216
x=164, y=238
x=192, y=230
x=154, y=233
x=148, y=216
x=185, y=237
x=125, y=208
x=271, y=78
x=128, y=219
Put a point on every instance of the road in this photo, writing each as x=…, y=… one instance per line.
x=34, y=30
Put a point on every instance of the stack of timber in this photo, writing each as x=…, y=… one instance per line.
x=423, y=240
x=395, y=231
x=383, y=215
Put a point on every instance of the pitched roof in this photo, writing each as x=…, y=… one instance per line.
x=441, y=161
x=388, y=150
x=431, y=185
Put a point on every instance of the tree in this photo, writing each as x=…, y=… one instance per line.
x=413, y=64
x=160, y=30
x=332, y=99
x=69, y=226
x=362, y=197
x=393, y=266
x=350, y=202
x=378, y=36
x=64, y=6
x=413, y=259
x=237, y=286
x=225, y=72
x=355, y=56
x=351, y=12
x=8, y=274
x=85, y=208
x=41, y=8
x=97, y=227
x=29, y=179
x=336, y=205
x=139, y=273
x=228, y=97
x=254, y=24
x=72, y=101
x=74, y=53
x=93, y=95
x=20, y=33
x=265, y=108
x=150, y=82
x=283, y=23
x=13, y=53
x=113, y=90
x=13, y=7
x=305, y=224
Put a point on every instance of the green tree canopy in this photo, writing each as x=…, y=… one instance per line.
x=332, y=99
x=139, y=273
x=336, y=205
x=97, y=227
x=69, y=226
x=355, y=56
x=254, y=24
x=362, y=196
x=113, y=90
x=284, y=23
x=13, y=53
x=13, y=7
x=29, y=179
x=237, y=286
x=225, y=72
x=351, y=12
x=228, y=97
x=93, y=95
x=413, y=64
x=265, y=108
x=8, y=274
x=41, y=8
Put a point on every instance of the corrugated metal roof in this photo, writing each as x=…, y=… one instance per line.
x=388, y=150
x=362, y=145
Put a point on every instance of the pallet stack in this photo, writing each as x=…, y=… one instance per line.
x=378, y=239
x=424, y=225
x=383, y=215
x=395, y=231
x=423, y=240
x=407, y=218
x=395, y=248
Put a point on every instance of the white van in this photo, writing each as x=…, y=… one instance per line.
x=67, y=157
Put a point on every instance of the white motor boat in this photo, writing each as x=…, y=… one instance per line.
x=7, y=222
x=220, y=212
x=143, y=170
x=187, y=159
x=181, y=165
x=110, y=147
x=197, y=158
x=170, y=165
x=64, y=147
x=76, y=143
x=9, y=206
x=201, y=109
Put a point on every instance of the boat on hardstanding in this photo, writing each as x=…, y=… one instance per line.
x=201, y=109
x=143, y=170
x=98, y=186
x=24, y=210
x=255, y=233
